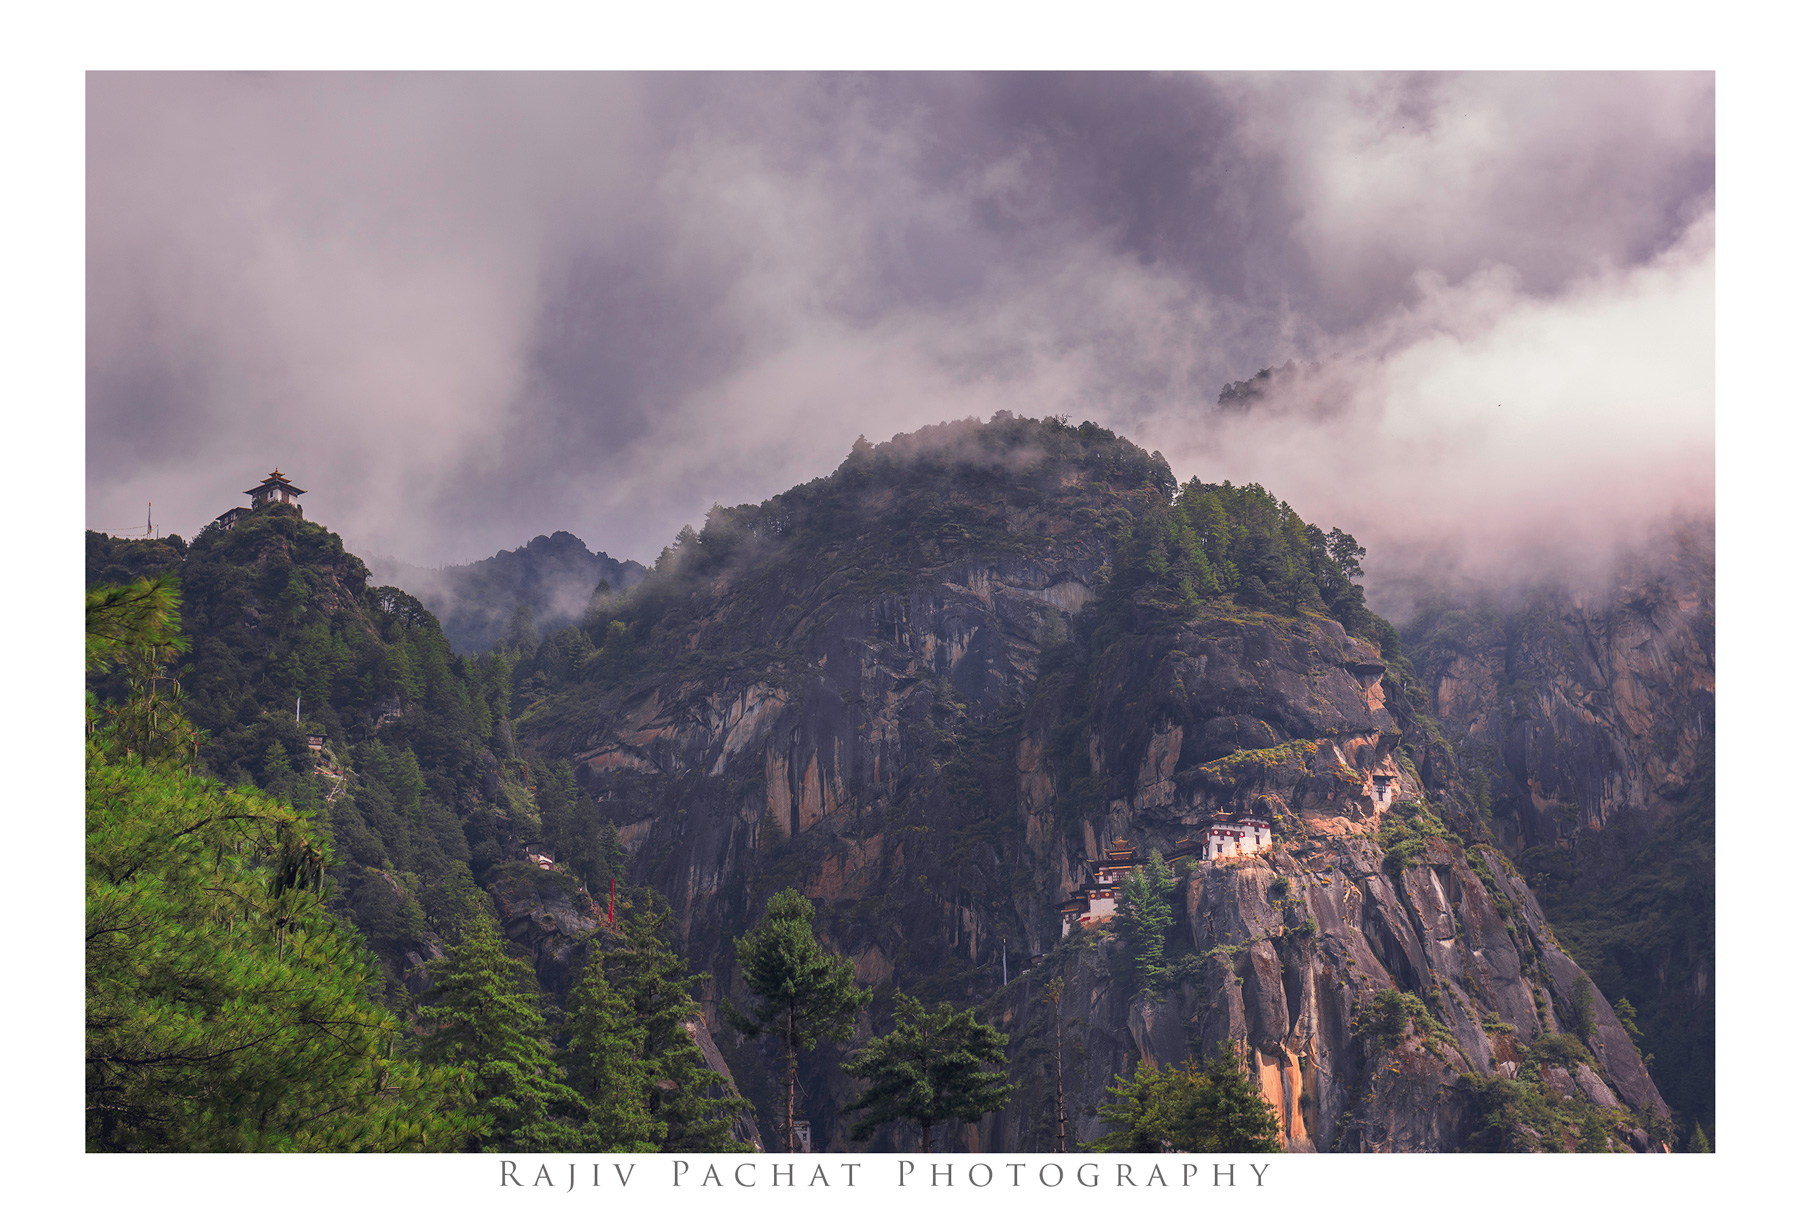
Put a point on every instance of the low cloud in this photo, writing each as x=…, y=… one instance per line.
x=1487, y=435
x=465, y=311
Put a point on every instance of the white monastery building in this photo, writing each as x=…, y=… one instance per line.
x=1223, y=836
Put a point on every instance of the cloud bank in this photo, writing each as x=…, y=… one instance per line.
x=466, y=310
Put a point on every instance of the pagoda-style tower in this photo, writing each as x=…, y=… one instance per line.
x=275, y=488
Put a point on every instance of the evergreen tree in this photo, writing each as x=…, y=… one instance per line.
x=226, y=1009
x=693, y=1103
x=803, y=992
x=928, y=1069
x=1145, y=915
x=484, y=1016
x=602, y=1061
x=1212, y=1109
x=136, y=626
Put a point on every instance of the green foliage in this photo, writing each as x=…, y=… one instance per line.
x=601, y=1062
x=133, y=628
x=928, y=1069
x=578, y=836
x=1626, y=1014
x=115, y=561
x=273, y=610
x=483, y=1017
x=1213, y=1109
x=802, y=992
x=126, y=621
x=1407, y=830
x=1582, y=1012
x=1557, y=1049
x=276, y=609
x=226, y=1009
x=1221, y=539
x=690, y=1103
x=1594, y=1138
x=1524, y=1114
x=1509, y=1114
x=1145, y=916
x=1392, y=1016
x=1478, y=863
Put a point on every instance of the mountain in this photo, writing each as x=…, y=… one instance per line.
x=1588, y=715
x=554, y=577
x=344, y=699
x=929, y=689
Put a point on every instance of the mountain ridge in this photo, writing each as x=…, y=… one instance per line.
x=927, y=690
x=554, y=577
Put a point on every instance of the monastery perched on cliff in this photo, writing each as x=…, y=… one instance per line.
x=1222, y=836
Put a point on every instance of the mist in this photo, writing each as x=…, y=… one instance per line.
x=464, y=311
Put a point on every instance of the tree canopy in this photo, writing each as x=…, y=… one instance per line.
x=1202, y=1109
x=802, y=992
x=929, y=1069
x=691, y=1105
x=483, y=1017
x=227, y=1010
x=1145, y=916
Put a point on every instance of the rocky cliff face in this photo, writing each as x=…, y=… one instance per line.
x=930, y=740
x=1587, y=716
x=1588, y=707
x=1287, y=952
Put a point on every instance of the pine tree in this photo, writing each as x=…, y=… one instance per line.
x=928, y=1069
x=692, y=1102
x=1206, y=1110
x=803, y=992
x=1145, y=915
x=482, y=1017
x=602, y=1061
x=136, y=625
x=226, y=1009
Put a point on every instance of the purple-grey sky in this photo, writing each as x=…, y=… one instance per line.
x=465, y=310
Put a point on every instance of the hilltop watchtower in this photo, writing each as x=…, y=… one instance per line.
x=275, y=488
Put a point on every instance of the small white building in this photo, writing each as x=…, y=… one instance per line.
x=1097, y=901
x=1381, y=789
x=1229, y=836
x=275, y=489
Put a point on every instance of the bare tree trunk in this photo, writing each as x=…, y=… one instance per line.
x=925, y=1137
x=793, y=1078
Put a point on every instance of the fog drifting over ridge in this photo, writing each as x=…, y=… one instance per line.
x=463, y=311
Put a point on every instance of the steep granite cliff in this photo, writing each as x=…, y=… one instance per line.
x=1585, y=715
x=929, y=689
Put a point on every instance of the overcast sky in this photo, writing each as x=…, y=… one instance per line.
x=465, y=310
